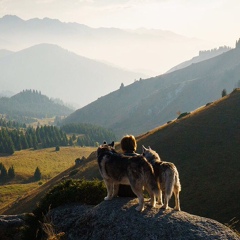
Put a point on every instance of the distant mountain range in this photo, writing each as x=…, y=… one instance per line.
x=147, y=51
x=203, y=55
x=31, y=104
x=59, y=73
x=146, y=104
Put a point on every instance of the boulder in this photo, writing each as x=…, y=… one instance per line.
x=118, y=219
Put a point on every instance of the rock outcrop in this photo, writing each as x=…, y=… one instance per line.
x=118, y=219
x=10, y=226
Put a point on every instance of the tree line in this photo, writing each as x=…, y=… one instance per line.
x=9, y=174
x=11, y=124
x=86, y=134
x=41, y=137
x=6, y=174
x=31, y=103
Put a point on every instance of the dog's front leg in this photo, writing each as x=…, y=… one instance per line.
x=109, y=185
x=160, y=202
x=115, y=189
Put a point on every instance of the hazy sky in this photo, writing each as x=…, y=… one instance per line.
x=214, y=20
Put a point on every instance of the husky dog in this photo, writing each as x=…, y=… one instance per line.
x=167, y=177
x=135, y=171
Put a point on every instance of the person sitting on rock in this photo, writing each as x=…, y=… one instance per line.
x=129, y=147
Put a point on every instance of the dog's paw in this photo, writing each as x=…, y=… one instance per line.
x=107, y=198
x=165, y=207
x=177, y=209
x=139, y=208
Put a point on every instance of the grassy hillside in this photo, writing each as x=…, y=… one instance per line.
x=149, y=103
x=204, y=146
x=32, y=104
x=50, y=162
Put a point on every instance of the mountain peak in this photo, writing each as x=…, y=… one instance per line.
x=11, y=18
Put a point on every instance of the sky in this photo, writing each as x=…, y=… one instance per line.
x=212, y=20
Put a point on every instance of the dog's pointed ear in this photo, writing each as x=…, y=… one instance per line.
x=143, y=148
x=112, y=144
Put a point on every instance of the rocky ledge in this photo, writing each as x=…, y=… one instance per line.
x=118, y=219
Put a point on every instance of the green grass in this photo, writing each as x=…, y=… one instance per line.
x=12, y=192
x=50, y=162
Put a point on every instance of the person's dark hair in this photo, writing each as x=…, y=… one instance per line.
x=128, y=143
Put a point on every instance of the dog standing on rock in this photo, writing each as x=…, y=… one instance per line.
x=135, y=171
x=167, y=176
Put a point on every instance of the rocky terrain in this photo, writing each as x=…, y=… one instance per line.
x=118, y=219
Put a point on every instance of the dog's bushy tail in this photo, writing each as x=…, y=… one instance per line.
x=177, y=180
x=172, y=180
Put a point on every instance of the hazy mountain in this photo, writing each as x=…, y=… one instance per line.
x=149, y=103
x=203, y=55
x=6, y=94
x=31, y=103
x=59, y=73
x=4, y=53
x=142, y=50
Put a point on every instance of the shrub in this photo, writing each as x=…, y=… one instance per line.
x=57, y=148
x=183, y=115
x=68, y=191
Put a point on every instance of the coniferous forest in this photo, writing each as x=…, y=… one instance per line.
x=15, y=136
x=42, y=137
x=86, y=134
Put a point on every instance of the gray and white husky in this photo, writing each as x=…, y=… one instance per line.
x=136, y=171
x=167, y=177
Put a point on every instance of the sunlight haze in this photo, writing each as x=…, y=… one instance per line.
x=214, y=20
x=143, y=39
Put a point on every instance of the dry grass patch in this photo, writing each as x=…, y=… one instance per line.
x=49, y=161
x=12, y=192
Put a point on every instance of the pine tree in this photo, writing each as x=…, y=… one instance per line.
x=3, y=175
x=238, y=43
x=224, y=92
x=11, y=172
x=37, y=174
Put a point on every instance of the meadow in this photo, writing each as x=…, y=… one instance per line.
x=50, y=163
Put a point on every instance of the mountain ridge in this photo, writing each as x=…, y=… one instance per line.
x=146, y=104
x=31, y=103
x=60, y=74
x=154, y=50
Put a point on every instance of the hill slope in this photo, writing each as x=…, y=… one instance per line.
x=205, y=148
x=146, y=104
x=203, y=55
x=60, y=74
x=31, y=103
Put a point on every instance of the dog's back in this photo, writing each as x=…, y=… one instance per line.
x=167, y=176
x=118, y=169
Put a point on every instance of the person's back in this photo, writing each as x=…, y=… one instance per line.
x=129, y=146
